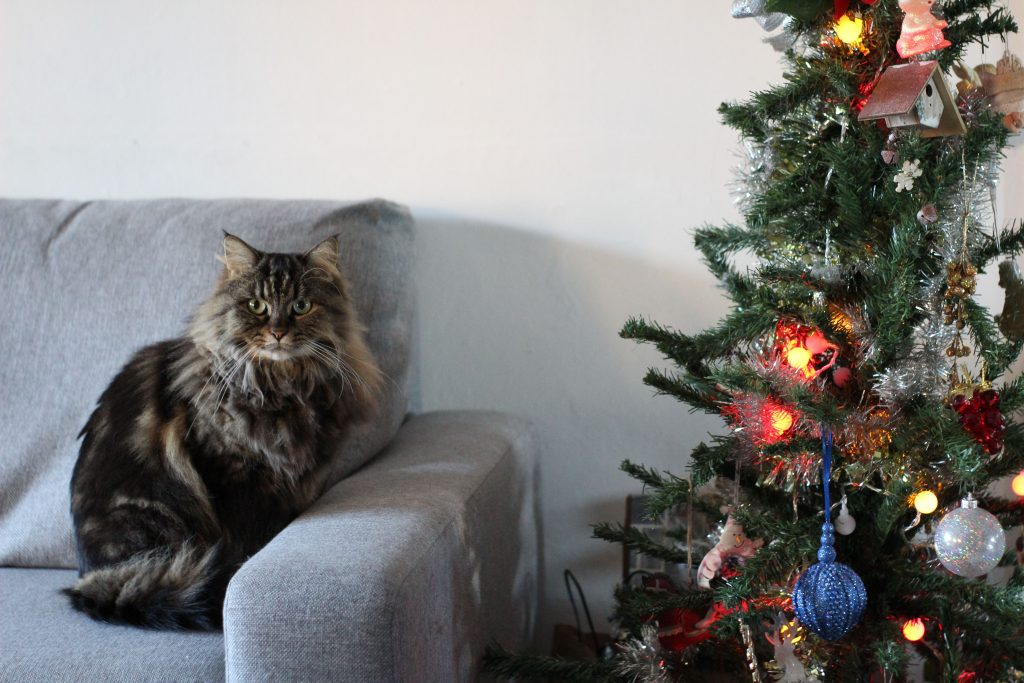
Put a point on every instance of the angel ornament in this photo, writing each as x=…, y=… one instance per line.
x=783, y=637
x=731, y=551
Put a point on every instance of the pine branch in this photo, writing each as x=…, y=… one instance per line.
x=638, y=541
x=635, y=606
x=501, y=662
x=667, y=491
x=700, y=394
x=706, y=461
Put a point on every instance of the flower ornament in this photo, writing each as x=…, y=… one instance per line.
x=905, y=177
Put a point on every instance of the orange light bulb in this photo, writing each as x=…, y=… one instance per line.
x=913, y=630
x=798, y=357
x=1018, y=484
x=781, y=420
x=849, y=29
x=926, y=502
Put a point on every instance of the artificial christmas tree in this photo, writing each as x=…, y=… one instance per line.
x=855, y=364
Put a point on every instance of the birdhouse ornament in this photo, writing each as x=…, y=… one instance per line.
x=922, y=31
x=914, y=96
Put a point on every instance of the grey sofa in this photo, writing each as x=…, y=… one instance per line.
x=421, y=551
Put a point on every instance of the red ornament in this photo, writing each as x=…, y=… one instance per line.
x=966, y=677
x=803, y=349
x=978, y=409
x=678, y=630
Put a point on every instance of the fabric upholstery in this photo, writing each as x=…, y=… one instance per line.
x=43, y=640
x=403, y=571
x=86, y=284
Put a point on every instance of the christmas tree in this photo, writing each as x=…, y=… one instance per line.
x=858, y=378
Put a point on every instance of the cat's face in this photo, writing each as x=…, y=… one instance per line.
x=280, y=307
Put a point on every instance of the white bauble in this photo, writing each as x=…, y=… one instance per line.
x=970, y=541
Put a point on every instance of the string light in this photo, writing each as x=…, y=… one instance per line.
x=781, y=420
x=1018, y=484
x=849, y=29
x=913, y=630
x=798, y=357
x=926, y=502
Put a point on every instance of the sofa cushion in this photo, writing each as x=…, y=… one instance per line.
x=86, y=284
x=45, y=640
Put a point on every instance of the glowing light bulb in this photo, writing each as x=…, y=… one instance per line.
x=792, y=630
x=798, y=357
x=913, y=630
x=1018, y=484
x=926, y=502
x=848, y=29
x=781, y=420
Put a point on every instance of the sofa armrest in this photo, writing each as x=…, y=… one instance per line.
x=405, y=570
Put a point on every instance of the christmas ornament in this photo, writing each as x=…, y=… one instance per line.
x=977, y=406
x=1004, y=84
x=777, y=24
x=732, y=549
x=905, y=177
x=926, y=502
x=845, y=523
x=1011, y=320
x=784, y=637
x=829, y=598
x=1018, y=484
x=913, y=630
x=748, y=642
x=960, y=285
x=640, y=659
x=922, y=31
x=928, y=214
x=804, y=349
x=969, y=541
x=914, y=96
x=678, y=629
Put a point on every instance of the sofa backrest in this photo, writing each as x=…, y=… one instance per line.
x=83, y=285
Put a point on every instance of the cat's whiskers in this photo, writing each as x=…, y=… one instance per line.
x=323, y=354
x=345, y=369
x=231, y=365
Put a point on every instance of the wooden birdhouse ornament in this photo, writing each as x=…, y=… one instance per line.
x=1004, y=84
x=916, y=96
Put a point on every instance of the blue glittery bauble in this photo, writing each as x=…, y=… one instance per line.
x=829, y=599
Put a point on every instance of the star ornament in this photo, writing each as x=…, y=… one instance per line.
x=905, y=177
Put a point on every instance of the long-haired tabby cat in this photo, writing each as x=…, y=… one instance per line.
x=204, y=447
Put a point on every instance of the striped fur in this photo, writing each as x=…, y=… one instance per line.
x=204, y=447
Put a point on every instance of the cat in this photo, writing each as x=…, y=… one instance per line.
x=204, y=447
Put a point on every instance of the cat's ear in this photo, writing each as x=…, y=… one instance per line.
x=238, y=256
x=325, y=254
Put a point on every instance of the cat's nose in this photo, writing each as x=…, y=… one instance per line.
x=278, y=332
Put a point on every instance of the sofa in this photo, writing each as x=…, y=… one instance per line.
x=421, y=550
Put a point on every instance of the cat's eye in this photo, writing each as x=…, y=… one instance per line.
x=302, y=306
x=258, y=306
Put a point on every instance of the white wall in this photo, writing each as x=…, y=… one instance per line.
x=556, y=153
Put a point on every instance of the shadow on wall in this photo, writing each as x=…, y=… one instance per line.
x=515, y=321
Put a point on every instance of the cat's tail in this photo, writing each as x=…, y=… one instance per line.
x=167, y=588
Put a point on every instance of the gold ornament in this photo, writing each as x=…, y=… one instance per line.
x=961, y=281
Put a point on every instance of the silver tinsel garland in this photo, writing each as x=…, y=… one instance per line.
x=640, y=660
x=926, y=370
